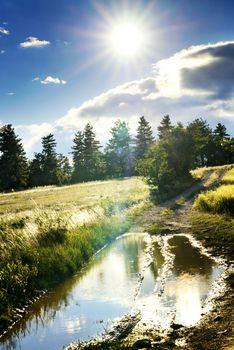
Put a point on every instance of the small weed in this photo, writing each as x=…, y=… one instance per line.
x=180, y=201
x=166, y=212
x=157, y=228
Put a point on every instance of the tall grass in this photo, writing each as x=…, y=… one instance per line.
x=220, y=201
x=229, y=177
x=40, y=250
x=201, y=173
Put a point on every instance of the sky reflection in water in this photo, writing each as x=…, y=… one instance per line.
x=108, y=287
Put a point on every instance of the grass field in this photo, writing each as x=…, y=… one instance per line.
x=47, y=234
x=85, y=195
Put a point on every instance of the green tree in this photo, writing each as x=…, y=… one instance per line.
x=221, y=149
x=36, y=170
x=88, y=161
x=49, y=160
x=78, y=158
x=201, y=135
x=13, y=161
x=64, y=170
x=92, y=155
x=179, y=147
x=155, y=167
x=118, y=151
x=165, y=127
x=168, y=161
x=220, y=132
x=228, y=146
x=144, y=138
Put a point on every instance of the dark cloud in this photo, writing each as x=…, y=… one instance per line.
x=215, y=77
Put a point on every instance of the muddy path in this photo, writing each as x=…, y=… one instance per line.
x=214, y=330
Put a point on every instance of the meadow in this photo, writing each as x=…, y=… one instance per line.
x=48, y=234
x=83, y=195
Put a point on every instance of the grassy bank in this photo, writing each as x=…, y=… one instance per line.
x=41, y=249
x=221, y=199
x=212, y=218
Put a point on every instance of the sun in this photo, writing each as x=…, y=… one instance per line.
x=126, y=39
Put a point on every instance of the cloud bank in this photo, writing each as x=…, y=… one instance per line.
x=194, y=82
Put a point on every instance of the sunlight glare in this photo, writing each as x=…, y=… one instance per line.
x=126, y=39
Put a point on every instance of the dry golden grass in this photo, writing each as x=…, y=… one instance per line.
x=229, y=177
x=201, y=173
x=85, y=195
x=220, y=200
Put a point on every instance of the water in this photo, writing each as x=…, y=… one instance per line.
x=167, y=279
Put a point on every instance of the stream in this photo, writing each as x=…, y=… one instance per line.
x=167, y=278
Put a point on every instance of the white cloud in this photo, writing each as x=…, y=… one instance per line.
x=36, y=79
x=52, y=80
x=4, y=31
x=32, y=41
x=177, y=88
x=10, y=93
x=32, y=134
x=195, y=82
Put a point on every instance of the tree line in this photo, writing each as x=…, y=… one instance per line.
x=162, y=161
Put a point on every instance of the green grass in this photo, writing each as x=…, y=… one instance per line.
x=229, y=177
x=215, y=229
x=83, y=195
x=212, y=216
x=42, y=246
x=213, y=211
x=220, y=200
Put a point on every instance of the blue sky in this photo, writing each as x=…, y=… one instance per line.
x=59, y=69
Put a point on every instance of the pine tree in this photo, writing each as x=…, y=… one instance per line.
x=36, y=170
x=220, y=142
x=91, y=153
x=165, y=127
x=144, y=138
x=118, y=151
x=63, y=170
x=13, y=161
x=88, y=161
x=78, y=158
x=220, y=132
x=49, y=160
x=201, y=134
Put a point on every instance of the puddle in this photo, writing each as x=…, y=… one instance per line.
x=167, y=279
